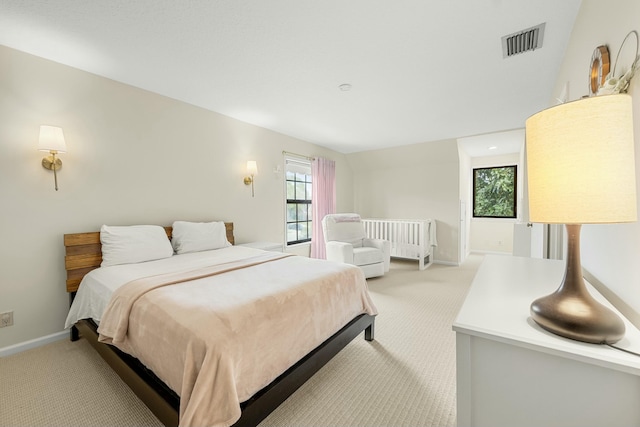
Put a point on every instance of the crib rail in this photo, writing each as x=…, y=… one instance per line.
x=410, y=239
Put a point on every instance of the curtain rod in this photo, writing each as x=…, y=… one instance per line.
x=297, y=155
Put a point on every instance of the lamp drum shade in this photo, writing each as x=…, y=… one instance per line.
x=581, y=162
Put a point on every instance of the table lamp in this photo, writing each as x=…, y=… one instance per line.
x=581, y=170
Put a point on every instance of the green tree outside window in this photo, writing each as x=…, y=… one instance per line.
x=494, y=192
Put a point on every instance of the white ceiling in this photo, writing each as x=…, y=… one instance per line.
x=420, y=70
x=493, y=144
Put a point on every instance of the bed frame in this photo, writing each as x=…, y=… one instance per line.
x=83, y=253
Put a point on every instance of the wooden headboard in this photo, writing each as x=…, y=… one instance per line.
x=83, y=253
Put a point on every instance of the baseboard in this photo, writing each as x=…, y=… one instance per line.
x=480, y=252
x=37, y=342
x=437, y=261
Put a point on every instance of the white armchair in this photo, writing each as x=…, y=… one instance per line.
x=347, y=242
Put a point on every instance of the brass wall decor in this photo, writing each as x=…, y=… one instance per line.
x=599, y=69
x=619, y=83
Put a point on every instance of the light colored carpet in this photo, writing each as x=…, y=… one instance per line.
x=66, y=384
x=406, y=377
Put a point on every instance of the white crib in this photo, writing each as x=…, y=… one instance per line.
x=411, y=239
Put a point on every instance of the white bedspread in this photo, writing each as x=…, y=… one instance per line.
x=229, y=334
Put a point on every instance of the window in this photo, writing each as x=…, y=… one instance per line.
x=494, y=192
x=299, y=218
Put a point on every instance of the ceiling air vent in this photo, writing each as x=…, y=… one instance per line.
x=523, y=41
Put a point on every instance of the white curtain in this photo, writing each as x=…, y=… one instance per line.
x=323, y=186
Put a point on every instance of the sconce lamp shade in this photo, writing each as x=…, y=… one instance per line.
x=252, y=170
x=581, y=163
x=252, y=167
x=51, y=139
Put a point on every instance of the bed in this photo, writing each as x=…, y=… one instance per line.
x=231, y=366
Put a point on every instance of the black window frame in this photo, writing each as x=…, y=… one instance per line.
x=515, y=192
x=298, y=201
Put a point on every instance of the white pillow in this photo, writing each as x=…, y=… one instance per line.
x=198, y=236
x=133, y=243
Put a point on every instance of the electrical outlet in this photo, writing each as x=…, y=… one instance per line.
x=6, y=319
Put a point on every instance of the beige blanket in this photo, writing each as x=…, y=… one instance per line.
x=216, y=339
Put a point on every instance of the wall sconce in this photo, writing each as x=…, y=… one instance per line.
x=52, y=140
x=252, y=170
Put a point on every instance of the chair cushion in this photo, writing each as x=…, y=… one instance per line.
x=366, y=255
x=344, y=228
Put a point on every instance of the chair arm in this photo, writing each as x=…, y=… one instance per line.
x=384, y=246
x=339, y=252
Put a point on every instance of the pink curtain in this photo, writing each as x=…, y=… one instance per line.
x=323, y=187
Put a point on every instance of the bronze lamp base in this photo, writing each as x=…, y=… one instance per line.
x=571, y=311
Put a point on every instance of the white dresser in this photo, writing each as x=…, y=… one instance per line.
x=512, y=373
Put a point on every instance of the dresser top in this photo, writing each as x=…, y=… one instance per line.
x=497, y=308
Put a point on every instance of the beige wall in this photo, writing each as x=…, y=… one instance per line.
x=412, y=182
x=133, y=157
x=609, y=252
